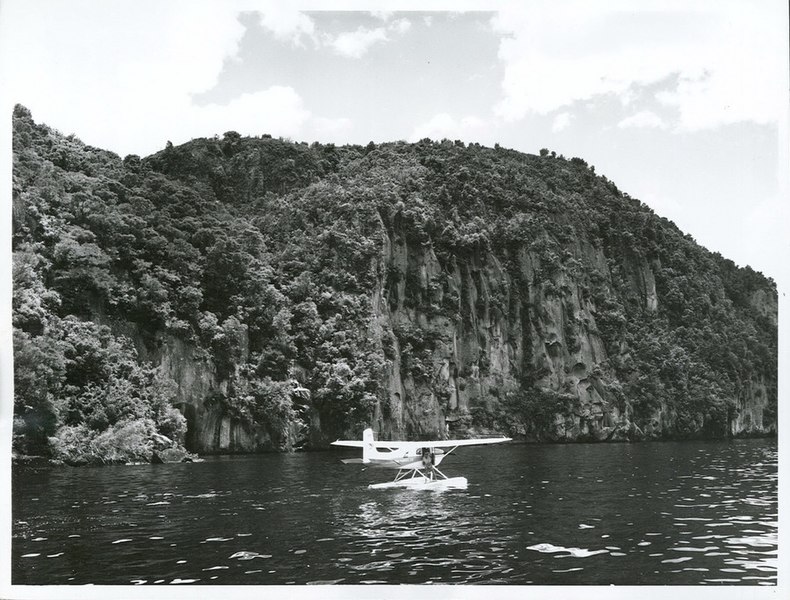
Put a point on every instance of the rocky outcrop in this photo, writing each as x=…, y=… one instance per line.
x=751, y=404
x=211, y=428
x=501, y=330
x=461, y=331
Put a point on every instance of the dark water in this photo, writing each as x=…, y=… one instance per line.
x=658, y=513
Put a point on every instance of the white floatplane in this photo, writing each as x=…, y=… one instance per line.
x=416, y=462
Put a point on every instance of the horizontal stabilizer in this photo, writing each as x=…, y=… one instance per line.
x=352, y=461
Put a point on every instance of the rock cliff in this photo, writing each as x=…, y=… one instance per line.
x=293, y=294
x=460, y=334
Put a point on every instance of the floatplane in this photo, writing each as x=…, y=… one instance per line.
x=417, y=462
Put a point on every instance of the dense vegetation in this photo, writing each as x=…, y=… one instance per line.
x=262, y=254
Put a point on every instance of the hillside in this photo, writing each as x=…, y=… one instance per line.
x=245, y=294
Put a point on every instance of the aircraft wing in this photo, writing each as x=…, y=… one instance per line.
x=423, y=444
x=451, y=443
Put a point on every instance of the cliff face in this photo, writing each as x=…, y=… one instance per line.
x=293, y=294
x=211, y=428
x=485, y=335
x=496, y=334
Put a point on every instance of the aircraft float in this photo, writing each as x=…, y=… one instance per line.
x=417, y=462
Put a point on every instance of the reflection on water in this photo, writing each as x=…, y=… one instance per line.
x=681, y=513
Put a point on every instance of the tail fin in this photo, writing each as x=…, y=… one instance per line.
x=369, y=449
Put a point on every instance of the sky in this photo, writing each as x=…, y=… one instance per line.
x=683, y=104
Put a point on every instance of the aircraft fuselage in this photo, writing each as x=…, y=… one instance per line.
x=404, y=459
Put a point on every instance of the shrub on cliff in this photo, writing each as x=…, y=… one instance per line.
x=260, y=402
x=532, y=412
x=125, y=442
x=82, y=395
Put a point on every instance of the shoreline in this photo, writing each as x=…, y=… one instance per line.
x=22, y=460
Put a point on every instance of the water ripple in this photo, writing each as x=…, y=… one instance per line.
x=685, y=513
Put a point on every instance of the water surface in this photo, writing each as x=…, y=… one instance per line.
x=651, y=513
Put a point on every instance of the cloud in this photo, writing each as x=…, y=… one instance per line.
x=561, y=121
x=400, y=26
x=277, y=110
x=643, y=119
x=131, y=68
x=382, y=15
x=330, y=129
x=354, y=44
x=726, y=59
x=286, y=23
x=443, y=125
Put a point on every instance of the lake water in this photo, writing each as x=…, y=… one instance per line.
x=651, y=513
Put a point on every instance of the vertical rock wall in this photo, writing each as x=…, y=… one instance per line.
x=499, y=330
x=462, y=331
